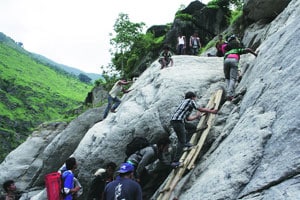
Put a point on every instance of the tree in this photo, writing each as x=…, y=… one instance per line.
x=238, y=4
x=126, y=34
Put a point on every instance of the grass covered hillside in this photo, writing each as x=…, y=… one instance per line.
x=32, y=93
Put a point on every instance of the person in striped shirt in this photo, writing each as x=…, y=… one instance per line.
x=178, y=122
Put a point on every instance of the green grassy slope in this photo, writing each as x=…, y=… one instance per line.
x=32, y=93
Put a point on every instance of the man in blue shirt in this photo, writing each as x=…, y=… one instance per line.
x=123, y=188
x=181, y=115
x=68, y=178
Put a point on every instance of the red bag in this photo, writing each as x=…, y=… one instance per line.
x=53, y=185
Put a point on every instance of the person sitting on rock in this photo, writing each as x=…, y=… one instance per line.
x=165, y=57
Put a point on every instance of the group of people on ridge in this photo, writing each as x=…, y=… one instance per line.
x=231, y=49
x=165, y=56
x=194, y=44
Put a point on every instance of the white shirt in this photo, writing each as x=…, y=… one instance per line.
x=181, y=40
x=115, y=90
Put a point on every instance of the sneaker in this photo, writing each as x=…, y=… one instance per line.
x=113, y=111
x=188, y=146
x=175, y=165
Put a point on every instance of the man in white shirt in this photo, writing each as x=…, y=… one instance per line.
x=113, y=100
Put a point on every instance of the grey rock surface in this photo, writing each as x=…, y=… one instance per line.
x=252, y=151
x=265, y=10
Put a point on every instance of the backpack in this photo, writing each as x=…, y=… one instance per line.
x=135, y=145
x=54, y=186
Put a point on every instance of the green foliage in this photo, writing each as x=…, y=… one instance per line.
x=227, y=4
x=131, y=45
x=210, y=44
x=237, y=4
x=213, y=4
x=126, y=34
x=159, y=40
x=32, y=93
x=235, y=15
x=184, y=16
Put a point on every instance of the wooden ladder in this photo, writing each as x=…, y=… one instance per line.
x=188, y=158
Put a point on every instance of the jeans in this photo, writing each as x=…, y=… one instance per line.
x=112, y=104
x=231, y=74
x=180, y=50
x=180, y=131
x=194, y=51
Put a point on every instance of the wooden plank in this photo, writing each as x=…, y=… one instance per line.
x=189, y=156
x=210, y=121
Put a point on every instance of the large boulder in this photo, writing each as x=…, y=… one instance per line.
x=251, y=153
x=46, y=150
x=259, y=157
x=207, y=21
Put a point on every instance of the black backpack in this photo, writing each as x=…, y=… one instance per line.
x=136, y=144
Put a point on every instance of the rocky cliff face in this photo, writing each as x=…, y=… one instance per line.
x=208, y=22
x=251, y=153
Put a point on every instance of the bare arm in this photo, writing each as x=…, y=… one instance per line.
x=123, y=82
x=125, y=91
x=248, y=50
x=206, y=110
x=191, y=118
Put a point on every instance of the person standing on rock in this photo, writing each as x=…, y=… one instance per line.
x=181, y=44
x=178, y=122
x=112, y=98
x=219, y=46
x=102, y=178
x=233, y=50
x=69, y=179
x=195, y=44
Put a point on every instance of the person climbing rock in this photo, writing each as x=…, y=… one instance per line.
x=233, y=50
x=178, y=122
x=112, y=98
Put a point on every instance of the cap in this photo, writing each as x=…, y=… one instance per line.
x=99, y=172
x=126, y=167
